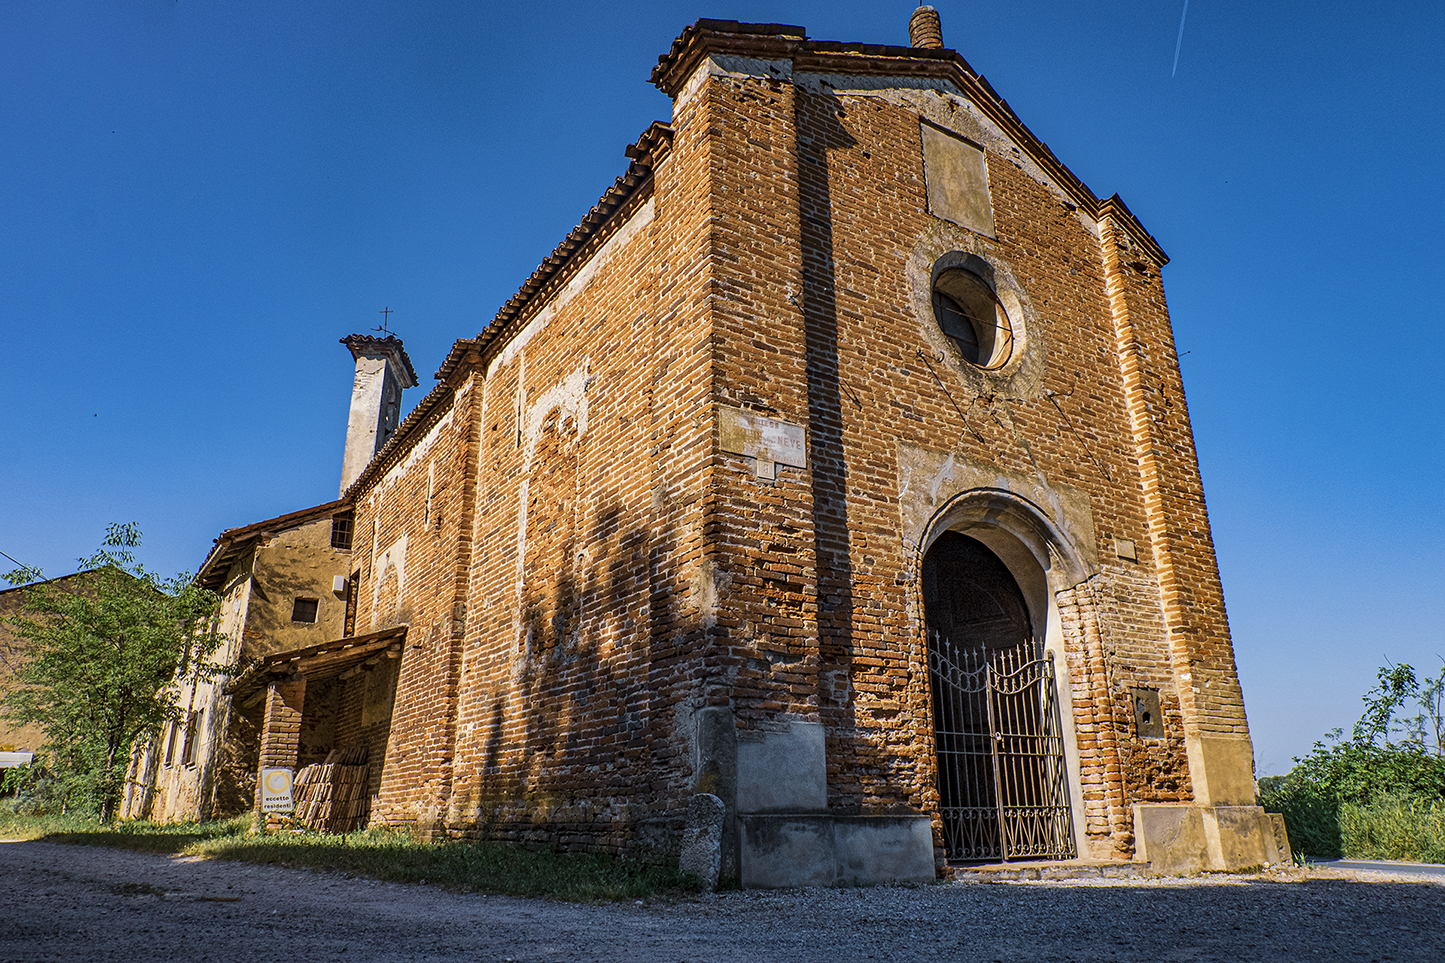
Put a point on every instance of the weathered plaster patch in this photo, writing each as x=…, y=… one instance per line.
x=742, y=67
x=955, y=172
x=570, y=397
x=863, y=84
x=393, y=558
x=709, y=584
x=738, y=68
x=943, y=245
x=928, y=481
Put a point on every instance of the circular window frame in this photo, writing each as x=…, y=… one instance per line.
x=969, y=312
x=941, y=247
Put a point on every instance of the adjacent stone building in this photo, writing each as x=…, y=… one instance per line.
x=284, y=597
x=837, y=465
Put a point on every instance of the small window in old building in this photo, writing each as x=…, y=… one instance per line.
x=304, y=610
x=171, y=743
x=341, y=527
x=968, y=311
x=188, y=748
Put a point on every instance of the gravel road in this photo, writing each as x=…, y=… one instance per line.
x=76, y=903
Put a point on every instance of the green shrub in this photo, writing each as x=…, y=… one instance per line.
x=1379, y=794
x=1360, y=772
x=1310, y=814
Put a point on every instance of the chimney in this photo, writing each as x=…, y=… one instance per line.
x=382, y=371
x=924, y=30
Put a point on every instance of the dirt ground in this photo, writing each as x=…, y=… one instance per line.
x=77, y=903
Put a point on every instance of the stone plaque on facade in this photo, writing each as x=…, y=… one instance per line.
x=766, y=440
x=957, y=181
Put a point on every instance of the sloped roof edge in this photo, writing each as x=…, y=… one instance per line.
x=566, y=258
x=233, y=541
x=343, y=651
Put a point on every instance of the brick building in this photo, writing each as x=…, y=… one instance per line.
x=18, y=743
x=837, y=465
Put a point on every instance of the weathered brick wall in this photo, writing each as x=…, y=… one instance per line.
x=364, y=701
x=410, y=529
x=766, y=636
x=1178, y=523
x=318, y=723
x=588, y=514
x=573, y=465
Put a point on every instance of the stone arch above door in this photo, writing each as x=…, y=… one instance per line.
x=1044, y=532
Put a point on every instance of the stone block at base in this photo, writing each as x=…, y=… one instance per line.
x=815, y=849
x=702, y=839
x=1179, y=839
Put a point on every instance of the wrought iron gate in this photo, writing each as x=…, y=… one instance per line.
x=1001, y=779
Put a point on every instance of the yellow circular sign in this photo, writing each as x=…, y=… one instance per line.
x=278, y=781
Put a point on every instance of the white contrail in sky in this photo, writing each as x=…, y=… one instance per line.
x=1180, y=42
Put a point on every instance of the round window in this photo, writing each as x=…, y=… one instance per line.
x=968, y=311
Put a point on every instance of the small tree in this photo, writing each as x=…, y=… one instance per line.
x=105, y=655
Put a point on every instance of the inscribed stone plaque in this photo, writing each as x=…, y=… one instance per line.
x=768, y=441
x=957, y=182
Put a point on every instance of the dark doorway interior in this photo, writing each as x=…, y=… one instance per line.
x=971, y=597
x=1001, y=780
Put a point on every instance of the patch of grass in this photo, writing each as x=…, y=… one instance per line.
x=15, y=826
x=388, y=854
x=1394, y=827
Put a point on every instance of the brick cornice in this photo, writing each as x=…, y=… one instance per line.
x=707, y=38
x=605, y=218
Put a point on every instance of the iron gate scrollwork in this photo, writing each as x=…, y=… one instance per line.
x=1001, y=778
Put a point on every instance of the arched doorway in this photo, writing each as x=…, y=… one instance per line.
x=1001, y=776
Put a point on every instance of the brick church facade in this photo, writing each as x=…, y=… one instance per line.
x=845, y=378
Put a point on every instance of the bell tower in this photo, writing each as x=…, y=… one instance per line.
x=383, y=370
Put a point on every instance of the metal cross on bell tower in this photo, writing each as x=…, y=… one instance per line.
x=385, y=317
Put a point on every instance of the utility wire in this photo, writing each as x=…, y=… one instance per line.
x=964, y=418
x=33, y=573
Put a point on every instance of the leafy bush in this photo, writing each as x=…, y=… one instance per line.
x=30, y=791
x=1361, y=772
x=1311, y=814
x=1380, y=791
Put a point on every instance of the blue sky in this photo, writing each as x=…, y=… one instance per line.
x=200, y=198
